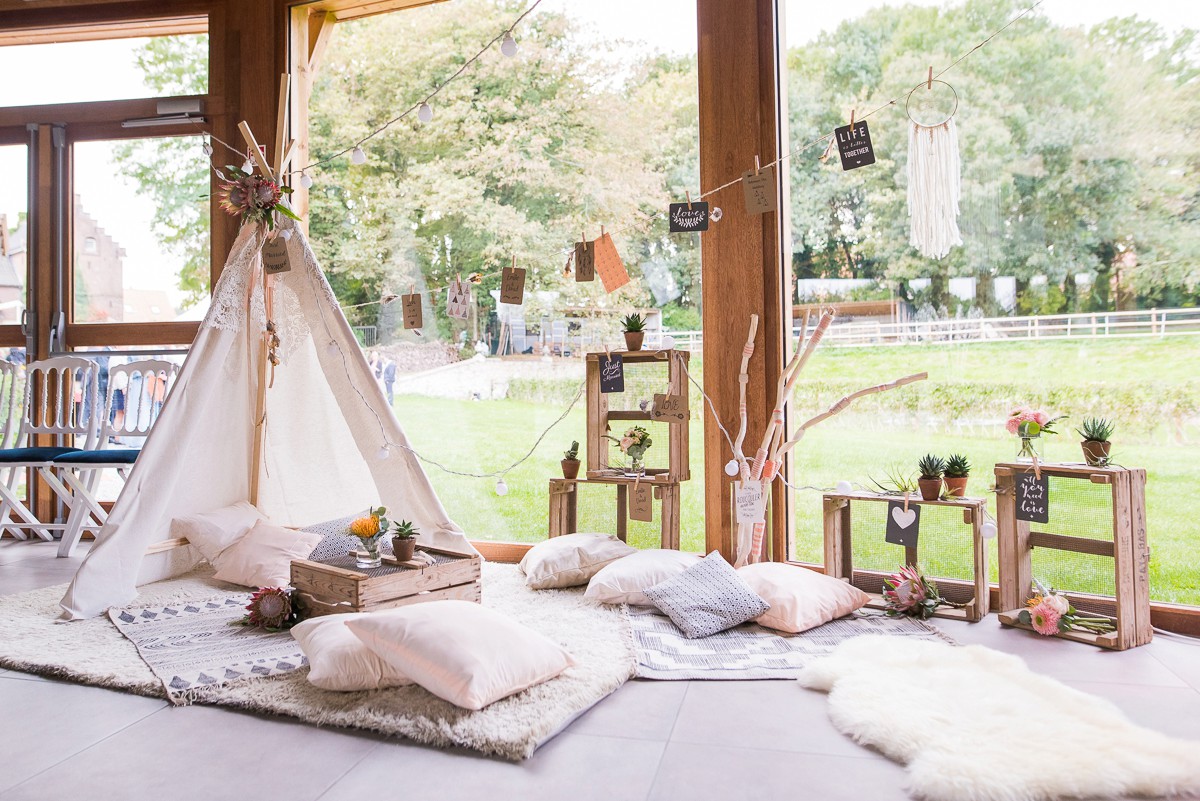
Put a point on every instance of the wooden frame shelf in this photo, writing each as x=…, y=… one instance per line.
x=564, y=503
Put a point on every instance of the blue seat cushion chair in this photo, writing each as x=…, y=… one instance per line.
x=9, y=455
x=110, y=456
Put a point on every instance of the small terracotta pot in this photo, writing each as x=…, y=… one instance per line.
x=633, y=340
x=1095, y=453
x=931, y=488
x=570, y=468
x=957, y=486
x=404, y=548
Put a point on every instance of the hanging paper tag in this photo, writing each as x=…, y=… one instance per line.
x=759, y=190
x=275, y=256
x=671, y=408
x=585, y=261
x=411, y=306
x=458, y=299
x=749, y=501
x=609, y=265
x=688, y=217
x=902, y=526
x=854, y=145
x=612, y=373
x=1033, y=498
x=641, y=502
x=512, y=285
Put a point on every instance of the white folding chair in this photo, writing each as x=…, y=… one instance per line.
x=51, y=406
x=144, y=386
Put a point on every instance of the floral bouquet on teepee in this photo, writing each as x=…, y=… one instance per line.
x=252, y=197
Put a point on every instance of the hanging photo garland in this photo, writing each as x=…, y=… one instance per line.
x=934, y=170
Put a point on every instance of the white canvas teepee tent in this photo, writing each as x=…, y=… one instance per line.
x=324, y=423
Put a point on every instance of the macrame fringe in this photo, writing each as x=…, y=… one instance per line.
x=934, y=187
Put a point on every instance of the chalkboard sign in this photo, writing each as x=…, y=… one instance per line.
x=854, y=145
x=585, y=261
x=1033, y=498
x=902, y=526
x=688, y=217
x=612, y=373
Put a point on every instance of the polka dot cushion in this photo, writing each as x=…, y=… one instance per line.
x=707, y=598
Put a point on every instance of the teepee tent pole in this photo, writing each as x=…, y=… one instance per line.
x=260, y=395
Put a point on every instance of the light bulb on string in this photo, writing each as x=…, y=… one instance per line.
x=248, y=166
x=716, y=214
x=425, y=112
x=332, y=348
x=207, y=148
x=306, y=180
x=731, y=468
x=509, y=46
x=358, y=156
x=987, y=530
x=844, y=487
x=668, y=342
x=501, y=487
x=383, y=453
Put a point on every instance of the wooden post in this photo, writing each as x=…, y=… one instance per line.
x=622, y=512
x=260, y=403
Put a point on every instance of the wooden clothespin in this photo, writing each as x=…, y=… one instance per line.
x=514, y=262
x=412, y=289
x=906, y=503
x=756, y=165
x=852, y=122
x=688, y=195
x=929, y=80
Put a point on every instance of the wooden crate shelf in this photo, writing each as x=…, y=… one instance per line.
x=564, y=503
x=1123, y=540
x=839, y=563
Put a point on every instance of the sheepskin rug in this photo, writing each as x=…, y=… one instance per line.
x=975, y=724
x=95, y=652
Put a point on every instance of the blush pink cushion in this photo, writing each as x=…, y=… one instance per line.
x=800, y=598
x=263, y=558
x=626, y=580
x=340, y=661
x=460, y=651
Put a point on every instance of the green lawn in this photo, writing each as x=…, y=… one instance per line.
x=487, y=435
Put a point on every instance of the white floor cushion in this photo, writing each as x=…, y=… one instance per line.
x=626, y=580
x=460, y=651
x=213, y=532
x=800, y=598
x=340, y=661
x=707, y=598
x=263, y=558
x=571, y=560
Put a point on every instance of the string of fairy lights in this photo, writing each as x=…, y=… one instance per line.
x=424, y=113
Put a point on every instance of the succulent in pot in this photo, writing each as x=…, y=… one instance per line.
x=404, y=541
x=930, y=468
x=1096, y=432
x=570, y=461
x=634, y=326
x=957, y=472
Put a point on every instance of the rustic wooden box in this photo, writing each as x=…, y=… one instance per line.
x=840, y=564
x=335, y=587
x=564, y=505
x=1122, y=537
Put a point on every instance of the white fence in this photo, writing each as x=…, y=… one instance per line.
x=1148, y=323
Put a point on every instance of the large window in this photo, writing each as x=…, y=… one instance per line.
x=593, y=122
x=1076, y=286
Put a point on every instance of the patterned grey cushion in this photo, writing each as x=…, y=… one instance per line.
x=337, y=539
x=707, y=598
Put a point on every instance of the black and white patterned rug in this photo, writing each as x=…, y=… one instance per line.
x=193, y=645
x=750, y=651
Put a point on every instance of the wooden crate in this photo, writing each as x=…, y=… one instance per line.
x=337, y=587
x=564, y=503
x=599, y=415
x=839, y=559
x=1129, y=606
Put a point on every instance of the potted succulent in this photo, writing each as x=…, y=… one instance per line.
x=404, y=541
x=1095, y=432
x=930, y=468
x=958, y=470
x=634, y=327
x=570, y=462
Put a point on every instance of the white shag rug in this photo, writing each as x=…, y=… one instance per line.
x=95, y=652
x=975, y=724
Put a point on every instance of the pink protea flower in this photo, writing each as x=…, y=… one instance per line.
x=1044, y=619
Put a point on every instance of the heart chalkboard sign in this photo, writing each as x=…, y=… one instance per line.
x=1033, y=498
x=902, y=526
x=854, y=145
x=688, y=217
x=612, y=373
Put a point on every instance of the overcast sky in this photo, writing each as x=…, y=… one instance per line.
x=87, y=70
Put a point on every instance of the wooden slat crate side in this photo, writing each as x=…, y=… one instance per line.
x=1141, y=557
x=470, y=591
x=326, y=582
x=409, y=582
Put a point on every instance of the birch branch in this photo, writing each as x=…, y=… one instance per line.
x=743, y=380
x=845, y=402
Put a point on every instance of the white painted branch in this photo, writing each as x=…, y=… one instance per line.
x=845, y=402
x=743, y=380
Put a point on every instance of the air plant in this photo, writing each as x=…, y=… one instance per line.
x=896, y=481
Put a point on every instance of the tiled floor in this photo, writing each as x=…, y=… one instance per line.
x=650, y=740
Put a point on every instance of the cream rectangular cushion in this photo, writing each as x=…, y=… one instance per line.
x=213, y=532
x=460, y=651
x=340, y=661
x=263, y=558
x=800, y=598
x=625, y=580
x=570, y=560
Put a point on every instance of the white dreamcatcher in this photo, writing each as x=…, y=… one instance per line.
x=934, y=172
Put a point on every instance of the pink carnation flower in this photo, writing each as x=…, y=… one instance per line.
x=1044, y=619
x=1040, y=418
